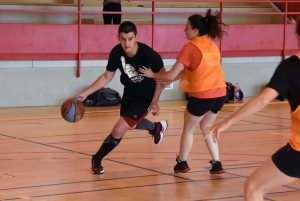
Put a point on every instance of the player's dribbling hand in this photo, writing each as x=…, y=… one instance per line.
x=147, y=72
x=81, y=97
x=155, y=108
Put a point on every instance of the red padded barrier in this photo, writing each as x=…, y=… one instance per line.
x=38, y=38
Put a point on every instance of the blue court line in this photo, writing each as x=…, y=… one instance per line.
x=260, y=115
x=113, y=179
x=66, y=149
x=9, y=175
x=282, y=192
x=89, y=155
x=75, y=182
x=73, y=134
x=174, y=135
x=90, y=191
x=87, y=115
x=44, y=144
x=239, y=196
x=241, y=164
x=148, y=169
x=109, y=189
x=237, y=175
x=29, y=119
x=243, y=196
x=35, y=123
x=298, y=189
x=31, y=158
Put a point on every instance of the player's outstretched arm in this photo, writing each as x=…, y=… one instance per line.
x=104, y=79
x=170, y=75
x=252, y=106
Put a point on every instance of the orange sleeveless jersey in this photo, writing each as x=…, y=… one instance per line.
x=295, y=130
x=208, y=77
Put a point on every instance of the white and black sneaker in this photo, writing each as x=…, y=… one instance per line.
x=161, y=127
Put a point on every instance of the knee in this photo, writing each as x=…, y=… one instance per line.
x=202, y=128
x=118, y=131
x=251, y=189
x=203, y=125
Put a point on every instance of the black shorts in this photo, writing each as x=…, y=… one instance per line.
x=133, y=110
x=287, y=160
x=199, y=106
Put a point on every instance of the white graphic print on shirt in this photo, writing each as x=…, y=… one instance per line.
x=131, y=72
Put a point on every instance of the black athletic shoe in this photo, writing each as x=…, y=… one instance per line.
x=181, y=166
x=96, y=166
x=216, y=167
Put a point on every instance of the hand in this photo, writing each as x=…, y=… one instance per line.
x=155, y=108
x=147, y=72
x=215, y=131
x=81, y=97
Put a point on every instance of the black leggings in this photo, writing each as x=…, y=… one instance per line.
x=115, y=18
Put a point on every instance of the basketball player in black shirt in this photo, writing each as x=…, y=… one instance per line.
x=140, y=96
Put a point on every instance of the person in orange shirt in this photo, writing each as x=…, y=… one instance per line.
x=284, y=165
x=199, y=67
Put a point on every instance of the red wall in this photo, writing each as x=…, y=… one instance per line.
x=42, y=41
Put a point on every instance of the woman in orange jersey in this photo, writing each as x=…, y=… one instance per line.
x=198, y=65
x=284, y=165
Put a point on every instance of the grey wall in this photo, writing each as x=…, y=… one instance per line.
x=43, y=83
x=252, y=73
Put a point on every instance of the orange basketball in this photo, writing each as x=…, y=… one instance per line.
x=72, y=110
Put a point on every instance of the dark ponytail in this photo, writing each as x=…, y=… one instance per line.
x=210, y=24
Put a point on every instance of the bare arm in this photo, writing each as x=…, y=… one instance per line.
x=104, y=79
x=252, y=106
x=168, y=82
x=179, y=76
x=170, y=75
x=158, y=89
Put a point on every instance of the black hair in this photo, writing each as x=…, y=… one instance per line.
x=298, y=26
x=126, y=27
x=210, y=24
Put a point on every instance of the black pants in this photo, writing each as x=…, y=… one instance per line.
x=115, y=18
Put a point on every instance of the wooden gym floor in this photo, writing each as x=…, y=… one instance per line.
x=42, y=157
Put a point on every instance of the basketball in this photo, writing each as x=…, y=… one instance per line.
x=72, y=110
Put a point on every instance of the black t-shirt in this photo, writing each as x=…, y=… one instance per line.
x=134, y=84
x=286, y=81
